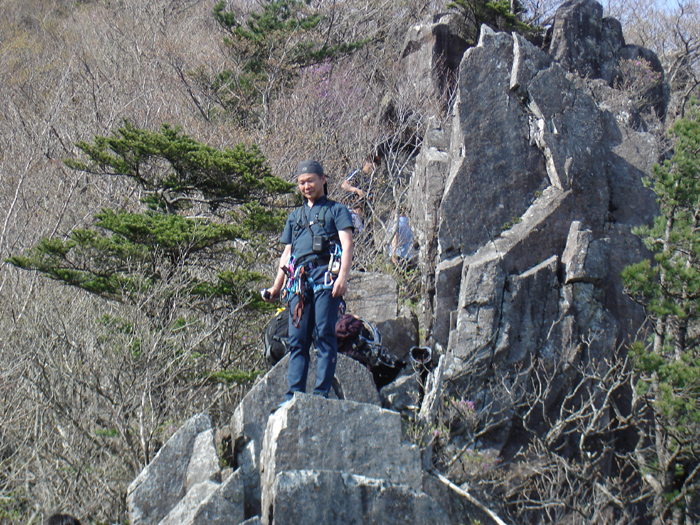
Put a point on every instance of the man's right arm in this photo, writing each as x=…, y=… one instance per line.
x=274, y=290
x=352, y=189
x=347, y=185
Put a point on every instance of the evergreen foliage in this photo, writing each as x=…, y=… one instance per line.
x=268, y=48
x=669, y=365
x=500, y=15
x=176, y=171
x=127, y=254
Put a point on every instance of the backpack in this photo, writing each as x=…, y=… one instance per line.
x=275, y=337
x=358, y=339
x=362, y=341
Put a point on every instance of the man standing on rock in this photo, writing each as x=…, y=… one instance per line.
x=316, y=261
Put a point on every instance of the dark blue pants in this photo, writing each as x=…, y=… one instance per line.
x=317, y=323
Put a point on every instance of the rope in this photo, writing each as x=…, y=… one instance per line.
x=299, y=308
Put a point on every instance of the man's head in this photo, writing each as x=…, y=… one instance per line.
x=311, y=179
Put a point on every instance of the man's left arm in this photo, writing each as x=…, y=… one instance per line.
x=394, y=247
x=341, y=282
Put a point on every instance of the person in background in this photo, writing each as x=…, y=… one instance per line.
x=359, y=181
x=403, y=245
x=356, y=215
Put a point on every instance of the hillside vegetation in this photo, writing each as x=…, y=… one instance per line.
x=118, y=119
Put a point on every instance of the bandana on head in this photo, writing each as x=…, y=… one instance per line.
x=310, y=166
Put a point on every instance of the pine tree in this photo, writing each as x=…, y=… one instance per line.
x=204, y=217
x=179, y=271
x=500, y=15
x=669, y=363
x=267, y=50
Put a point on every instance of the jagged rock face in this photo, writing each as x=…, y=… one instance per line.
x=432, y=51
x=542, y=186
x=495, y=172
x=559, y=157
x=182, y=483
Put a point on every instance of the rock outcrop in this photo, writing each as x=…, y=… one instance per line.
x=582, y=40
x=249, y=421
x=297, y=499
x=433, y=51
x=322, y=461
x=585, y=42
x=305, y=435
x=184, y=472
x=533, y=184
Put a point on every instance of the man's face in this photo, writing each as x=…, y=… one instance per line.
x=311, y=185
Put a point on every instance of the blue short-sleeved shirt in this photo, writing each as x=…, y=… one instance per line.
x=335, y=218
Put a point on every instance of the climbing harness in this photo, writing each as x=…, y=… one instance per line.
x=299, y=279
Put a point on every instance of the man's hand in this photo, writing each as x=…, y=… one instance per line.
x=340, y=286
x=271, y=295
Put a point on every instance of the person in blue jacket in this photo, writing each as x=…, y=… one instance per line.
x=315, y=264
x=403, y=245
